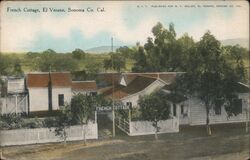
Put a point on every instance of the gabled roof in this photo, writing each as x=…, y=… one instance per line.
x=242, y=88
x=41, y=79
x=167, y=77
x=137, y=85
x=84, y=85
x=106, y=79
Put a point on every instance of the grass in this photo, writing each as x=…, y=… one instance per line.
x=191, y=143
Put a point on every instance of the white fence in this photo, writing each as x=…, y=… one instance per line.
x=45, y=135
x=135, y=128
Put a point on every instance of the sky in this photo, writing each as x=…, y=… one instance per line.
x=128, y=22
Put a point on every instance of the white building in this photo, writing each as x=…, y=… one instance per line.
x=130, y=86
x=50, y=91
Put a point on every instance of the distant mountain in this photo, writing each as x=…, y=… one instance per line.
x=241, y=41
x=101, y=49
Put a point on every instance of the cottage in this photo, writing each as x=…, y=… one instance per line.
x=130, y=86
x=50, y=91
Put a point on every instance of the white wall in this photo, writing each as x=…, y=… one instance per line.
x=146, y=128
x=45, y=135
x=16, y=85
x=197, y=114
x=56, y=91
x=156, y=85
x=38, y=98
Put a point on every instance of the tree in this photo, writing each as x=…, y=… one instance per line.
x=17, y=69
x=116, y=61
x=162, y=52
x=49, y=60
x=82, y=108
x=78, y=54
x=154, y=107
x=63, y=121
x=91, y=70
x=209, y=76
x=4, y=64
x=140, y=60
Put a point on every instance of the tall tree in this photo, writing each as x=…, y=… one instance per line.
x=163, y=52
x=209, y=76
x=155, y=107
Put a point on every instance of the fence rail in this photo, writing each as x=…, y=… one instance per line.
x=133, y=128
x=45, y=135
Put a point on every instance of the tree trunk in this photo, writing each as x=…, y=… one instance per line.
x=208, y=121
x=64, y=137
x=84, y=134
x=156, y=131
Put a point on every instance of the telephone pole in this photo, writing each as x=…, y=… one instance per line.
x=113, y=106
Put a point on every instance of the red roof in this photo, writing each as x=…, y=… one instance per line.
x=84, y=85
x=58, y=79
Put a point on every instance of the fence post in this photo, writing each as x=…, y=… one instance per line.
x=95, y=116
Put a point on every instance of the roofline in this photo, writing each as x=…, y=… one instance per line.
x=151, y=72
x=243, y=84
x=139, y=72
x=44, y=72
x=83, y=81
x=141, y=90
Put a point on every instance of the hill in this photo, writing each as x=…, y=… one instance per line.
x=101, y=49
x=241, y=41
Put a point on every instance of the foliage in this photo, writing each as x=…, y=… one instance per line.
x=63, y=121
x=163, y=52
x=82, y=107
x=155, y=107
x=10, y=65
x=13, y=121
x=91, y=70
x=78, y=54
x=210, y=76
x=50, y=60
x=17, y=69
x=116, y=61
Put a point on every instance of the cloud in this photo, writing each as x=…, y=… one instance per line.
x=236, y=26
x=20, y=31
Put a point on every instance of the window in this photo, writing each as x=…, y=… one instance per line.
x=182, y=109
x=174, y=109
x=238, y=105
x=217, y=108
x=61, y=99
x=129, y=104
x=93, y=93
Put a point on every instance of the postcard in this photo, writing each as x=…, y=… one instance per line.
x=124, y=80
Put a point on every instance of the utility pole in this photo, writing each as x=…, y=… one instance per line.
x=113, y=106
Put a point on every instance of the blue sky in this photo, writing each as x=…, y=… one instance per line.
x=125, y=21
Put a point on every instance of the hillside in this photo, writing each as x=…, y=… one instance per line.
x=101, y=49
x=241, y=41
